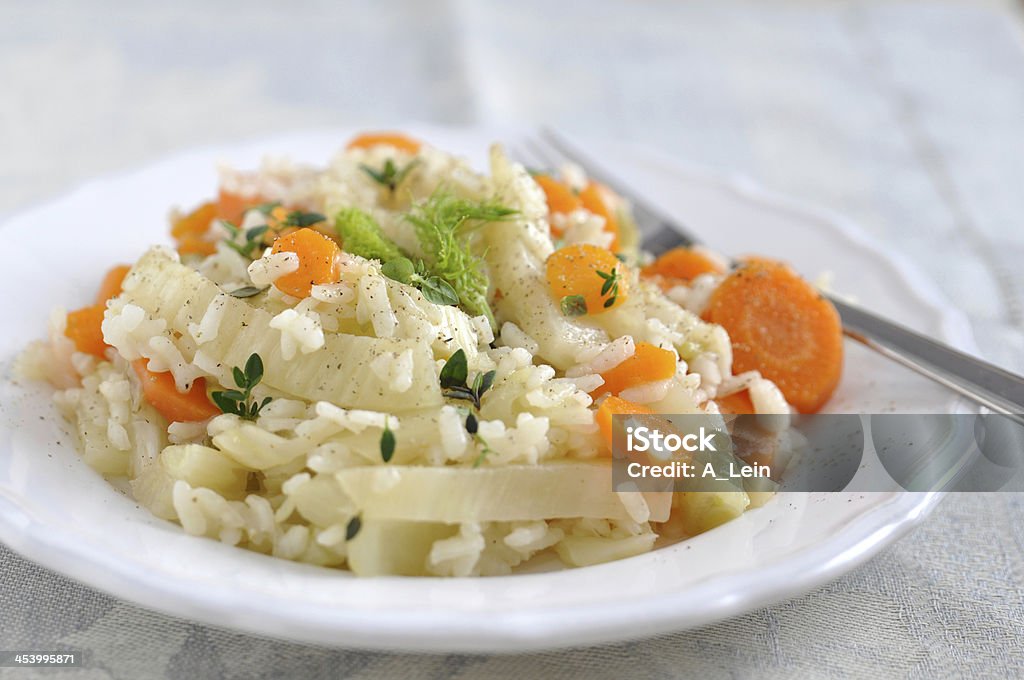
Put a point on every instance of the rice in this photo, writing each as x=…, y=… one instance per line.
x=271, y=479
x=208, y=327
x=299, y=331
x=271, y=267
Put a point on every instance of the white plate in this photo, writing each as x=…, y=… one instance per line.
x=56, y=511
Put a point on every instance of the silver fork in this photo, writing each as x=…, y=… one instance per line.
x=995, y=388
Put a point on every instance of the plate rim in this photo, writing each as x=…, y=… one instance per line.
x=862, y=536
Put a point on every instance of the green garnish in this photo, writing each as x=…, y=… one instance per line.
x=387, y=443
x=455, y=370
x=353, y=527
x=246, y=291
x=610, y=286
x=434, y=288
x=574, y=305
x=390, y=175
x=443, y=226
x=361, y=235
x=237, y=401
x=454, y=375
x=400, y=269
x=253, y=238
x=300, y=218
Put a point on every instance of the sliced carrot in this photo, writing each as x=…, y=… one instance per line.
x=737, y=403
x=560, y=197
x=648, y=364
x=232, y=206
x=162, y=393
x=84, y=329
x=781, y=326
x=319, y=261
x=111, y=286
x=681, y=265
x=398, y=140
x=615, y=406
x=196, y=245
x=196, y=222
x=582, y=269
x=598, y=199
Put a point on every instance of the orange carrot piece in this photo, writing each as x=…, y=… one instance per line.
x=196, y=222
x=574, y=270
x=614, y=406
x=111, y=286
x=161, y=392
x=681, y=265
x=780, y=325
x=400, y=141
x=232, y=206
x=649, y=363
x=319, y=261
x=561, y=199
x=83, y=327
x=737, y=403
x=598, y=199
x=196, y=245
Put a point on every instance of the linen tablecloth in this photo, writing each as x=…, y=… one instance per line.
x=906, y=116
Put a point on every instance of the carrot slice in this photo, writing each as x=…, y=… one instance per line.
x=196, y=245
x=680, y=265
x=648, y=364
x=111, y=286
x=232, y=206
x=583, y=270
x=597, y=198
x=737, y=403
x=196, y=222
x=614, y=406
x=398, y=140
x=162, y=393
x=561, y=198
x=319, y=261
x=84, y=329
x=780, y=325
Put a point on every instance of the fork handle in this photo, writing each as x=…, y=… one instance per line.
x=987, y=384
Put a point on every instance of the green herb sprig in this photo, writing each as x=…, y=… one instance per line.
x=574, y=305
x=454, y=375
x=610, y=287
x=237, y=401
x=434, y=288
x=301, y=218
x=390, y=175
x=253, y=238
x=443, y=225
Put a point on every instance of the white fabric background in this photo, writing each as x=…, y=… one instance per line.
x=907, y=116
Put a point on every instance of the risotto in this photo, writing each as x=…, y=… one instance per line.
x=397, y=364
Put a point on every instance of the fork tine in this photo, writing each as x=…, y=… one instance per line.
x=660, y=233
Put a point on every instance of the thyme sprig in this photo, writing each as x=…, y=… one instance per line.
x=390, y=175
x=610, y=287
x=453, y=379
x=237, y=401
